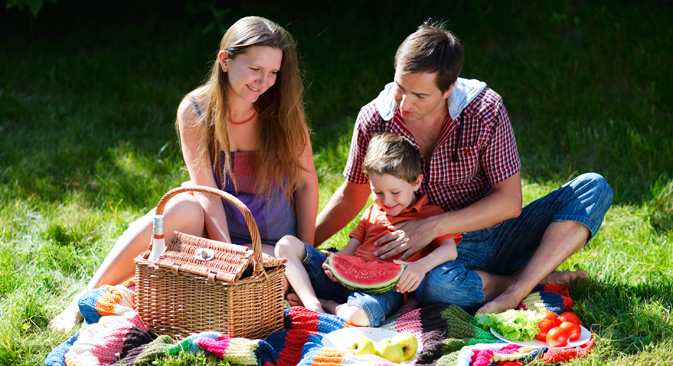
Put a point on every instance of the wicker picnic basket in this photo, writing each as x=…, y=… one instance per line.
x=202, y=285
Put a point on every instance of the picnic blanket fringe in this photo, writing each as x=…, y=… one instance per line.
x=114, y=334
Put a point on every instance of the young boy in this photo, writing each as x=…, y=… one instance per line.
x=394, y=172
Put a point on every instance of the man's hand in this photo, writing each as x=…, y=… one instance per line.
x=409, y=237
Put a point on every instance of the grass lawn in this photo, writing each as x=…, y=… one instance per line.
x=88, y=99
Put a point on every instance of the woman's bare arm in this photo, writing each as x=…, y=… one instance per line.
x=306, y=196
x=200, y=169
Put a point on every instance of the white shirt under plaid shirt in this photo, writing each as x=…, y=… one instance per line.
x=487, y=152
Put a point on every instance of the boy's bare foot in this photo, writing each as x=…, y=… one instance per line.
x=564, y=278
x=510, y=300
x=350, y=313
x=67, y=319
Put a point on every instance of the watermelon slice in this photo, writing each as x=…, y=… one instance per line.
x=369, y=277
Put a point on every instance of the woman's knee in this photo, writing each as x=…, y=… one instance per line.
x=184, y=213
x=288, y=245
x=181, y=204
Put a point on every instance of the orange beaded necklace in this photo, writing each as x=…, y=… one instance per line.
x=254, y=112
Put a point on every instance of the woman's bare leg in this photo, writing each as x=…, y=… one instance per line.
x=293, y=249
x=182, y=213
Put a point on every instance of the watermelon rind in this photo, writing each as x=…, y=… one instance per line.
x=369, y=289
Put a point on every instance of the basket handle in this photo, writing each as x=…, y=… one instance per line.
x=249, y=219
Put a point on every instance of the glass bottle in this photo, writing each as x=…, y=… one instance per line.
x=158, y=241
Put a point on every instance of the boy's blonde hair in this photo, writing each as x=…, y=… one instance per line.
x=388, y=153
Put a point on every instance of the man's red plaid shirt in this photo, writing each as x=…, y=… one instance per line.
x=487, y=152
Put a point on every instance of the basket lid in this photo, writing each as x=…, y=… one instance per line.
x=204, y=257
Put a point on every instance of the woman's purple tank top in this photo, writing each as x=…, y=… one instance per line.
x=275, y=216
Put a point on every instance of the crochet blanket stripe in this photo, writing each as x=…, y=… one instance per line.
x=114, y=334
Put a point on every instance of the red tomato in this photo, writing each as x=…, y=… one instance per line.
x=573, y=330
x=569, y=317
x=544, y=326
x=546, y=314
x=557, y=337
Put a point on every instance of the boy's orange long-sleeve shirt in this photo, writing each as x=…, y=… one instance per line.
x=374, y=225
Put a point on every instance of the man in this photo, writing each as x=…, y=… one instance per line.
x=466, y=144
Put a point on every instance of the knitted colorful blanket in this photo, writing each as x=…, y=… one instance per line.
x=114, y=334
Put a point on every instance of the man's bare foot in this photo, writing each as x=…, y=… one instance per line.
x=501, y=303
x=510, y=300
x=564, y=278
x=67, y=319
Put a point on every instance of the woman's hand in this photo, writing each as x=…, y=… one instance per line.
x=412, y=276
x=409, y=237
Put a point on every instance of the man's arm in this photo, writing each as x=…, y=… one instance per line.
x=344, y=205
x=411, y=236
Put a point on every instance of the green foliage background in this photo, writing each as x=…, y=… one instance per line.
x=88, y=95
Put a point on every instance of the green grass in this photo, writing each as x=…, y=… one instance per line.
x=87, y=143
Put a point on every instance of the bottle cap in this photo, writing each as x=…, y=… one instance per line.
x=158, y=225
x=158, y=220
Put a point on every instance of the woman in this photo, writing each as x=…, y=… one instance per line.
x=243, y=131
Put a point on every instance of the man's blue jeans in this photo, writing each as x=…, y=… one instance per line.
x=507, y=248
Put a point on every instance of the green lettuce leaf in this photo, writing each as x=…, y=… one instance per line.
x=514, y=325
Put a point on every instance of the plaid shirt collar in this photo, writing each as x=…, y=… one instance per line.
x=462, y=94
x=397, y=126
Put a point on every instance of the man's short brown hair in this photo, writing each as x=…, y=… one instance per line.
x=430, y=49
x=388, y=153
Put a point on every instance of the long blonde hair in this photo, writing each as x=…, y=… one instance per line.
x=282, y=123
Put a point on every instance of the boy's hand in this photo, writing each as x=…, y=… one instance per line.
x=328, y=272
x=411, y=278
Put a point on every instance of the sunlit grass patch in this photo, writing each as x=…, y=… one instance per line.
x=87, y=142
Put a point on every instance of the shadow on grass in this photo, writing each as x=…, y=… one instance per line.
x=102, y=174
x=630, y=317
x=71, y=102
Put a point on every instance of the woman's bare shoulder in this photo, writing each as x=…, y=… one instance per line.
x=190, y=106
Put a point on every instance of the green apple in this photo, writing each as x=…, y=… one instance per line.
x=409, y=344
x=390, y=350
x=362, y=347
